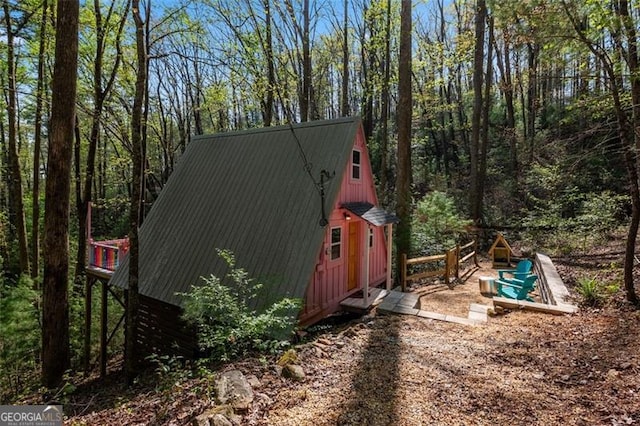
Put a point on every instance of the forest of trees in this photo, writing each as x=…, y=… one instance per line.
x=526, y=113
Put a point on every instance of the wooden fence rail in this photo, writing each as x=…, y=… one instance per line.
x=453, y=258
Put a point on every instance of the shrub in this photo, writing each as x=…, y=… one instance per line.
x=19, y=336
x=437, y=225
x=590, y=291
x=226, y=325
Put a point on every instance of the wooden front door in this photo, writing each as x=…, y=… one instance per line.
x=352, y=261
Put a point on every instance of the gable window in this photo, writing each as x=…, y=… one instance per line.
x=336, y=242
x=355, y=164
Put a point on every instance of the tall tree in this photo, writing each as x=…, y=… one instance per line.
x=628, y=26
x=475, y=197
x=503, y=61
x=271, y=71
x=16, y=204
x=385, y=102
x=137, y=179
x=302, y=33
x=306, y=102
x=37, y=144
x=404, y=109
x=101, y=91
x=484, y=134
x=624, y=37
x=344, y=107
x=55, y=308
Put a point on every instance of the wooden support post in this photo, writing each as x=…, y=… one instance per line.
x=457, y=261
x=365, y=278
x=404, y=272
x=447, y=267
x=103, y=332
x=87, y=323
x=389, y=253
x=450, y=262
x=475, y=253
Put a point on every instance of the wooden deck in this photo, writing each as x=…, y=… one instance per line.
x=99, y=272
x=356, y=304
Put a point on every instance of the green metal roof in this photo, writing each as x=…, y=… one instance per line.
x=248, y=192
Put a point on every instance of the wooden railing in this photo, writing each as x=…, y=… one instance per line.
x=107, y=255
x=447, y=264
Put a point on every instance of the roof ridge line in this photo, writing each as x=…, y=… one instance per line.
x=280, y=128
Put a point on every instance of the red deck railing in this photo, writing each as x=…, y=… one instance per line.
x=107, y=254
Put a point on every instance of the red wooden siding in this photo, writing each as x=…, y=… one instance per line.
x=328, y=286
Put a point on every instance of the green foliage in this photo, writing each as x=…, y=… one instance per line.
x=227, y=326
x=563, y=218
x=594, y=292
x=168, y=371
x=19, y=336
x=437, y=224
x=590, y=290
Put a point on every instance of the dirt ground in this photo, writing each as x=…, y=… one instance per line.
x=520, y=368
x=436, y=296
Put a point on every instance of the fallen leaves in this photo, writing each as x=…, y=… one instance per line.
x=519, y=368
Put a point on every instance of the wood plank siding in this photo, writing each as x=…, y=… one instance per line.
x=329, y=284
x=162, y=331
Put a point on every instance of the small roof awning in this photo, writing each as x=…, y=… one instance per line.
x=372, y=214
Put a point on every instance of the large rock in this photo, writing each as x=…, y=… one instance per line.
x=294, y=372
x=217, y=416
x=233, y=388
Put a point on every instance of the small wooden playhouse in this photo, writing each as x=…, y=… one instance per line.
x=296, y=205
x=500, y=252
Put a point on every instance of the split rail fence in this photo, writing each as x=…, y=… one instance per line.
x=447, y=264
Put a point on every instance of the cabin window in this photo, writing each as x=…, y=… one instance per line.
x=336, y=242
x=355, y=164
x=370, y=237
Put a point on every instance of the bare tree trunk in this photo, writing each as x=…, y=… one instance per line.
x=405, y=101
x=367, y=64
x=196, y=97
x=305, y=102
x=100, y=94
x=271, y=72
x=37, y=144
x=145, y=119
x=632, y=151
x=504, y=65
x=532, y=96
x=476, y=121
x=55, y=313
x=625, y=129
x=384, y=113
x=484, y=134
x=136, y=195
x=344, y=110
x=16, y=204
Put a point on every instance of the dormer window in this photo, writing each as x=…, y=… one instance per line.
x=356, y=160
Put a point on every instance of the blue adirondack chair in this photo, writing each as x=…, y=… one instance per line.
x=515, y=288
x=522, y=271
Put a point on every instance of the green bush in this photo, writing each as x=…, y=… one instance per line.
x=226, y=325
x=437, y=225
x=563, y=219
x=19, y=336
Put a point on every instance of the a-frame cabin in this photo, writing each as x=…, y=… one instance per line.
x=295, y=204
